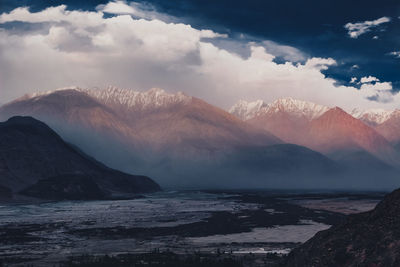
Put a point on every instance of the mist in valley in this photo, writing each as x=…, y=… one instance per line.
x=271, y=167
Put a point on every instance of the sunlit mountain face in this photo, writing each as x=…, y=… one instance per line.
x=185, y=142
x=199, y=133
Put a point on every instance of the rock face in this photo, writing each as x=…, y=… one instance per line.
x=336, y=130
x=390, y=128
x=35, y=161
x=366, y=239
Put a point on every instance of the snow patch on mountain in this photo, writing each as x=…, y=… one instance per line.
x=151, y=99
x=247, y=110
x=373, y=116
x=298, y=108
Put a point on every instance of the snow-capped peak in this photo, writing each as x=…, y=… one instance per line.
x=298, y=108
x=153, y=98
x=373, y=116
x=247, y=110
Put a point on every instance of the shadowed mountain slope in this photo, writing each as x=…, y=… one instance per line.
x=35, y=161
x=365, y=239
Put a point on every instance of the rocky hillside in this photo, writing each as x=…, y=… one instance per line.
x=366, y=239
x=36, y=162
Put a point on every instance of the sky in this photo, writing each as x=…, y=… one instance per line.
x=336, y=53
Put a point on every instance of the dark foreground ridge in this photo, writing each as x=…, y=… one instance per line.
x=36, y=162
x=365, y=239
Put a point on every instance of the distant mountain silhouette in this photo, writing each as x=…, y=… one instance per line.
x=36, y=162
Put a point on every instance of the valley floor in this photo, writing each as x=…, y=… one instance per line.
x=188, y=228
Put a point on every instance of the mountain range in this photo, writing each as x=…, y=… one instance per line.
x=331, y=131
x=182, y=140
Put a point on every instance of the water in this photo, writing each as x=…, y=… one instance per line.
x=183, y=222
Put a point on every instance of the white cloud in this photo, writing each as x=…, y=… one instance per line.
x=353, y=80
x=88, y=49
x=395, y=54
x=374, y=90
x=359, y=28
x=138, y=10
x=288, y=53
x=118, y=7
x=54, y=14
x=385, y=86
x=369, y=79
x=379, y=91
x=320, y=63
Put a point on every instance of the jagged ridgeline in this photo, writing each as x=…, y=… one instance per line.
x=182, y=141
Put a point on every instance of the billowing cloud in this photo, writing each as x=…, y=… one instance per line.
x=369, y=79
x=88, y=49
x=380, y=92
x=54, y=14
x=359, y=28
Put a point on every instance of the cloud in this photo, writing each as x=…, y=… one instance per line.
x=137, y=10
x=288, y=53
x=89, y=49
x=369, y=79
x=353, y=80
x=54, y=14
x=396, y=54
x=379, y=92
x=118, y=7
x=359, y=28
